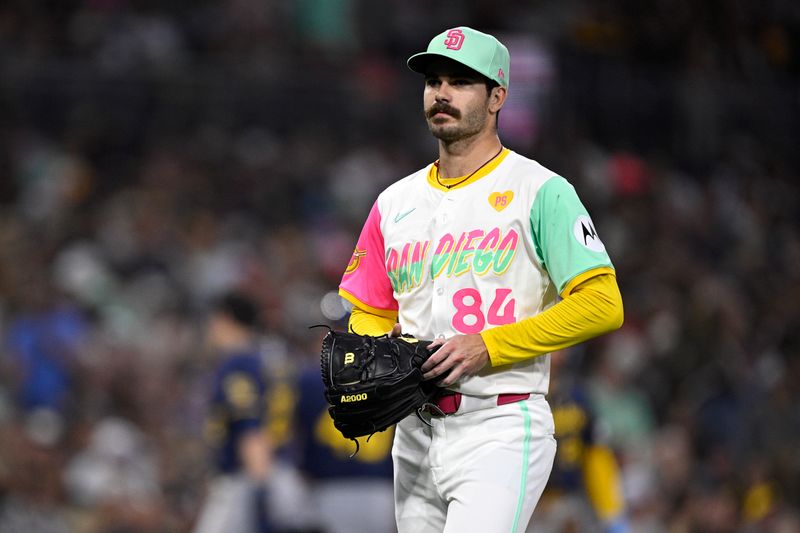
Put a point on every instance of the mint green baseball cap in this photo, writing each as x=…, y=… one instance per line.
x=479, y=51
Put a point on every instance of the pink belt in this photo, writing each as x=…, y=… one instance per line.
x=449, y=402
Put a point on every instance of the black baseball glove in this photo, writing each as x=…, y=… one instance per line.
x=373, y=382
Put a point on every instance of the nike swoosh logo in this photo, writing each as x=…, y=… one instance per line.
x=401, y=216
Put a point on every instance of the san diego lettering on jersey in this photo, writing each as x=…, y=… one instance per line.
x=478, y=250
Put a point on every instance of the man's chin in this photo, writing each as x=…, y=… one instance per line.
x=444, y=133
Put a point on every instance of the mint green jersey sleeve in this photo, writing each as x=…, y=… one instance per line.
x=565, y=237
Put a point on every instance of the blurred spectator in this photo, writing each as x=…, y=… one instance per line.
x=117, y=473
x=117, y=465
x=36, y=501
x=43, y=341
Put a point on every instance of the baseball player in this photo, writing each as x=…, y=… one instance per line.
x=348, y=494
x=235, y=428
x=495, y=257
x=584, y=492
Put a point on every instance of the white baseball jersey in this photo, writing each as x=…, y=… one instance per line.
x=493, y=250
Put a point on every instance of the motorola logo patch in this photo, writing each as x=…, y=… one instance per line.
x=586, y=234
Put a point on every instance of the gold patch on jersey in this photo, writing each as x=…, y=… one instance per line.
x=240, y=390
x=500, y=200
x=355, y=261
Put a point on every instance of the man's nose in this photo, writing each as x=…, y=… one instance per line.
x=443, y=93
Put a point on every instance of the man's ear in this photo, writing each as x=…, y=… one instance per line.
x=497, y=98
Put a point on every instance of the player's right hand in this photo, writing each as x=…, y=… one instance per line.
x=397, y=330
x=462, y=355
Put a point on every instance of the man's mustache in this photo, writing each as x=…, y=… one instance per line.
x=442, y=108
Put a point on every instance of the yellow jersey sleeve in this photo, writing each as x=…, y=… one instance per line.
x=367, y=323
x=592, y=307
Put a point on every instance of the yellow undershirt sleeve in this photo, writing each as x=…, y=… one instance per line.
x=592, y=308
x=366, y=323
x=601, y=477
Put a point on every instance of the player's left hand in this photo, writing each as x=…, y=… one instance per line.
x=462, y=355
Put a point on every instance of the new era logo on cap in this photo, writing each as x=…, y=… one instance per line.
x=455, y=38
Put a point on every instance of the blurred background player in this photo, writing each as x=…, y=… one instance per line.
x=349, y=494
x=236, y=500
x=584, y=492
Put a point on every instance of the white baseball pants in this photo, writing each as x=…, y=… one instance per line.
x=481, y=469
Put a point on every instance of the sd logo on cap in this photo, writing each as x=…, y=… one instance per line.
x=479, y=51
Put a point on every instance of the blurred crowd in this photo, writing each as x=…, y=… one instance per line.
x=154, y=155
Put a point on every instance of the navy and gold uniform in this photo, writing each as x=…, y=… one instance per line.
x=236, y=498
x=325, y=454
x=237, y=406
x=362, y=483
x=235, y=501
x=574, y=434
x=584, y=487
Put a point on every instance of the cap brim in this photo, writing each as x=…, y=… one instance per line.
x=419, y=62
